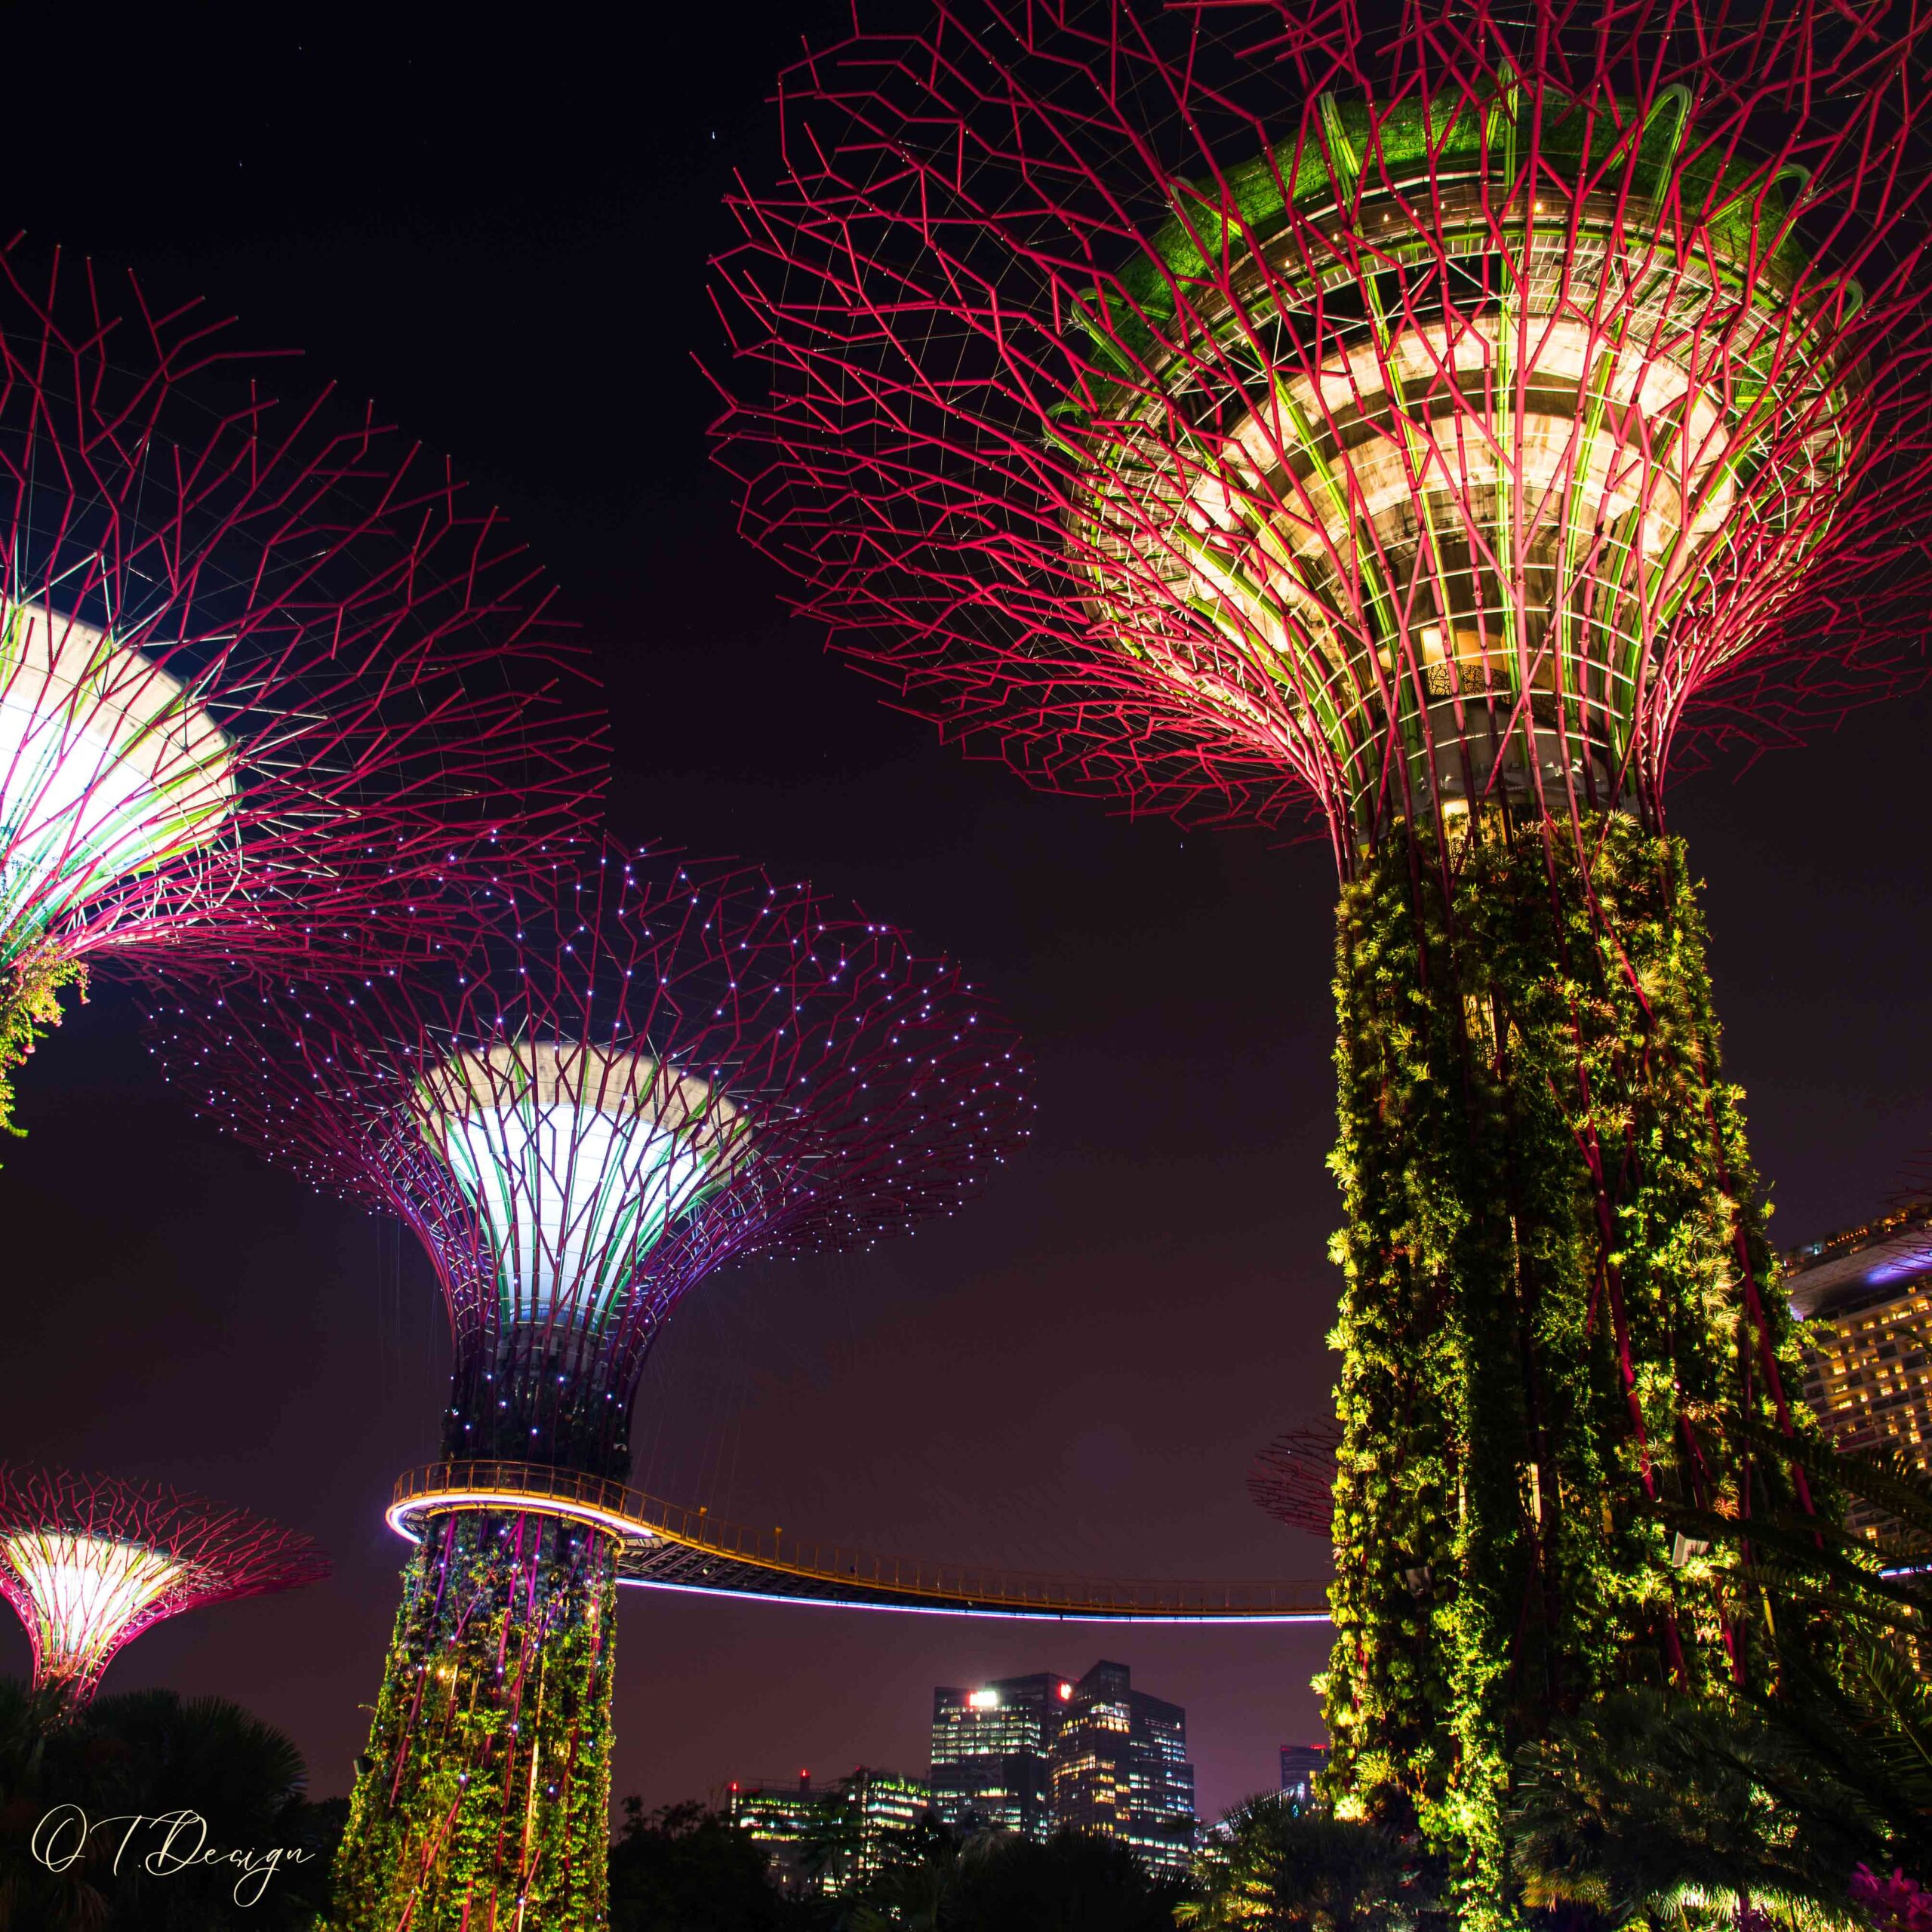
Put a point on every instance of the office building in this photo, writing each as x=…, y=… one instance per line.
x=992, y=1752
x=824, y=1838
x=1867, y=1295
x=1120, y=1768
x=1038, y=1754
x=883, y=1806
x=790, y=1820
x=1301, y=1765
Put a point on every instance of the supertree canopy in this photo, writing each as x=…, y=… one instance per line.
x=1250, y=413
x=90, y=1563
x=1293, y=1478
x=649, y=1071
x=266, y=678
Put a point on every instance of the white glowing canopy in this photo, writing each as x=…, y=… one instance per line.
x=1437, y=511
x=85, y=1591
x=107, y=768
x=579, y=1158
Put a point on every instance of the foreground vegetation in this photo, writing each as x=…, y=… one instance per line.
x=1800, y=1801
x=150, y=1755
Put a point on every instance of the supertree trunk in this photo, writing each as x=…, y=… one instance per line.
x=638, y=1074
x=483, y=1802
x=1555, y=1305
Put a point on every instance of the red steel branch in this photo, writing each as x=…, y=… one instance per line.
x=269, y=677
x=1293, y=1478
x=90, y=1562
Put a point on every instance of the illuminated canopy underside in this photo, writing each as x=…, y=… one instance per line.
x=579, y=1159
x=1417, y=472
x=82, y=1594
x=107, y=768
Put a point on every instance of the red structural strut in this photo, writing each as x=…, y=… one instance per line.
x=90, y=1562
x=270, y=675
x=1081, y=350
x=1293, y=1478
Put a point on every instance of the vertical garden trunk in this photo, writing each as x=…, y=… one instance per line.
x=483, y=1802
x=1555, y=1303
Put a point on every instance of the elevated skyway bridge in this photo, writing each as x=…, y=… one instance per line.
x=668, y=1546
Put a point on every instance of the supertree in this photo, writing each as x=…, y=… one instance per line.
x=1293, y=1478
x=1251, y=413
x=267, y=678
x=90, y=1562
x=656, y=1069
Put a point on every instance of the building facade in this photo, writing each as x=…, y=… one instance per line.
x=1120, y=1768
x=1040, y=1754
x=1301, y=1765
x=788, y=1820
x=822, y=1839
x=1865, y=1296
x=993, y=1753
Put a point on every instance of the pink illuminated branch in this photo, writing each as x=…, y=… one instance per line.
x=268, y=674
x=1249, y=414
x=89, y=1563
x=1293, y=1478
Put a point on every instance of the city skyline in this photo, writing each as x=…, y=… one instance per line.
x=1017, y=1387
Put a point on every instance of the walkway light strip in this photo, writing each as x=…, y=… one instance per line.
x=403, y=1513
x=1041, y=1615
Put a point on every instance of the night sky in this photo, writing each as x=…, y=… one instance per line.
x=502, y=241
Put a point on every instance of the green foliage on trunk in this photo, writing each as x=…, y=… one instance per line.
x=484, y=1796
x=1555, y=1303
x=30, y=989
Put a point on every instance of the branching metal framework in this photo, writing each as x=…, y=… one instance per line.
x=266, y=675
x=656, y=1068
x=1246, y=424
x=89, y=1563
x=648, y=1071
x=1293, y=1478
x=1419, y=429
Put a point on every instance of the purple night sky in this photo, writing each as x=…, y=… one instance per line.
x=504, y=242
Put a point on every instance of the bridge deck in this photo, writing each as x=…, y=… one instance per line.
x=665, y=1546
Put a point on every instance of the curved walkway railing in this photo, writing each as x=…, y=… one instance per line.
x=667, y=1545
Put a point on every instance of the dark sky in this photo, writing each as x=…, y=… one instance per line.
x=502, y=240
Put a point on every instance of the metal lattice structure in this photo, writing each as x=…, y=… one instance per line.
x=269, y=679
x=635, y=1076
x=1418, y=429
x=90, y=1562
x=654, y=1069
x=1375, y=426
x=1293, y=1478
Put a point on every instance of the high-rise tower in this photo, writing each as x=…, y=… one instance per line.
x=1120, y=1768
x=993, y=1753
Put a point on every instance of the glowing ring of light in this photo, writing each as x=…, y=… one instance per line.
x=401, y=1516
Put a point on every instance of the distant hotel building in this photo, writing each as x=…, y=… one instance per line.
x=823, y=1840
x=1301, y=1765
x=1868, y=1372
x=1035, y=1753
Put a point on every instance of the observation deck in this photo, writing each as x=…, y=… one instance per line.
x=667, y=1546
